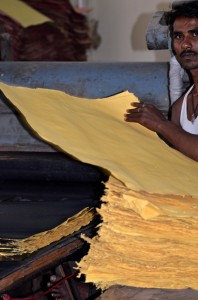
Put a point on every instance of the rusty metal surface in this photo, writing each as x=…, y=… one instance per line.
x=93, y=80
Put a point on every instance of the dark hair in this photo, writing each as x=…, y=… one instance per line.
x=188, y=9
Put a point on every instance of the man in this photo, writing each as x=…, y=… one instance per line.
x=181, y=131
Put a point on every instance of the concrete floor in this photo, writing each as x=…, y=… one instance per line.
x=126, y=293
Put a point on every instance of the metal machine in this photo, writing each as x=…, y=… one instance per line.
x=39, y=187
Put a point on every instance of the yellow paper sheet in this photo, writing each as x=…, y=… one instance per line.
x=94, y=131
x=22, y=13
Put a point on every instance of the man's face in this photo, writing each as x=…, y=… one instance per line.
x=185, y=42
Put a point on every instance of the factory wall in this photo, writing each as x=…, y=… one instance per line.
x=122, y=26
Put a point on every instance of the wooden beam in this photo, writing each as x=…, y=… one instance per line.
x=38, y=262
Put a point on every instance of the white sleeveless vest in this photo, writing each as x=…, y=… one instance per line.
x=189, y=126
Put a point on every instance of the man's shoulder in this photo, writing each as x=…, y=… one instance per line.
x=178, y=102
x=175, y=110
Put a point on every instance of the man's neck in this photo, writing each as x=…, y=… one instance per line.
x=194, y=74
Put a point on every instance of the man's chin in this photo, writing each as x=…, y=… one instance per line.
x=189, y=64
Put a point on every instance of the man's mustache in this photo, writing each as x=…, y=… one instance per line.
x=188, y=52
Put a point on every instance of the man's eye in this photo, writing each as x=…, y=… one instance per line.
x=195, y=33
x=177, y=36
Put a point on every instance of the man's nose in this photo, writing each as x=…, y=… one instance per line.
x=187, y=43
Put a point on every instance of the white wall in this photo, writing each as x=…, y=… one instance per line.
x=122, y=26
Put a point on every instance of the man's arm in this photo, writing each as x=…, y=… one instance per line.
x=150, y=117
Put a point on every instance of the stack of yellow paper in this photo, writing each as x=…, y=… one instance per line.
x=145, y=240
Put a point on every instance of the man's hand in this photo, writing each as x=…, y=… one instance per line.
x=145, y=114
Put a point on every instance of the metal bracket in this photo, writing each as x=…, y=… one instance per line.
x=157, y=36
